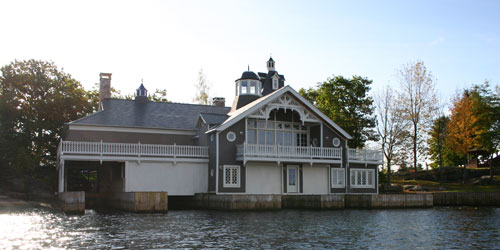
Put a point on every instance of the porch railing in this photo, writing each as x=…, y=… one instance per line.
x=280, y=151
x=131, y=149
x=365, y=155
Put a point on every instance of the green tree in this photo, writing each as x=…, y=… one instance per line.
x=36, y=99
x=347, y=103
x=440, y=154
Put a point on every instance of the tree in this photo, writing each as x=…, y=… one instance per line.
x=390, y=126
x=418, y=104
x=487, y=108
x=202, y=90
x=36, y=99
x=346, y=101
x=465, y=128
x=437, y=143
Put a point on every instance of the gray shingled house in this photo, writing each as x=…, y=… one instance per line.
x=272, y=141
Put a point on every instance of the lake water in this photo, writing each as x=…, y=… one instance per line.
x=436, y=228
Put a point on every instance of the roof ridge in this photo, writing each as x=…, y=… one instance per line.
x=191, y=104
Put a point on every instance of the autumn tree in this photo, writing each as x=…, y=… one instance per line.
x=390, y=126
x=418, y=103
x=36, y=99
x=202, y=90
x=346, y=101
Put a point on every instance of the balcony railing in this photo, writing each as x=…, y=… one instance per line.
x=365, y=155
x=131, y=149
x=280, y=151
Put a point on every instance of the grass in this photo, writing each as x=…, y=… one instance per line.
x=450, y=187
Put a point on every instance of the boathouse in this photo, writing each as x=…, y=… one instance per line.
x=270, y=144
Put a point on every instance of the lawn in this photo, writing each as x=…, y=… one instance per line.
x=450, y=187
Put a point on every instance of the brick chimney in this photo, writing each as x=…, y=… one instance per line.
x=104, y=87
x=219, y=101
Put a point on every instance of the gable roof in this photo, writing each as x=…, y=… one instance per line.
x=213, y=119
x=248, y=109
x=162, y=115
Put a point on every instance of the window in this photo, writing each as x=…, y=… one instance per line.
x=231, y=136
x=253, y=88
x=338, y=177
x=244, y=88
x=271, y=132
x=231, y=176
x=336, y=142
x=275, y=83
x=363, y=178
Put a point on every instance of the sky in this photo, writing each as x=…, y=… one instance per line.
x=166, y=43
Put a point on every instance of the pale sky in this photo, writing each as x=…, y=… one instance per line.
x=168, y=42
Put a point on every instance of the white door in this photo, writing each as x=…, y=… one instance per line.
x=293, y=179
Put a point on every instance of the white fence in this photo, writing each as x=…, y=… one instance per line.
x=131, y=149
x=280, y=151
x=365, y=155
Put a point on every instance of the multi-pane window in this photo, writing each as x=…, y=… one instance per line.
x=231, y=176
x=271, y=132
x=363, y=178
x=338, y=177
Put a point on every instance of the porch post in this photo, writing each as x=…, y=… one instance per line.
x=321, y=135
x=61, y=177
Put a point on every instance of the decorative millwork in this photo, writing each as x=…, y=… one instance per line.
x=285, y=102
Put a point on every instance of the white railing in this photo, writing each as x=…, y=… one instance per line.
x=365, y=155
x=280, y=151
x=131, y=149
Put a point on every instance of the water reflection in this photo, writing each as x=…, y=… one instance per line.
x=438, y=228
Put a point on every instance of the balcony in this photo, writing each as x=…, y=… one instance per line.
x=365, y=156
x=76, y=150
x=279, y=153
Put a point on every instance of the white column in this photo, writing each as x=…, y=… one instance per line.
x=61, y=177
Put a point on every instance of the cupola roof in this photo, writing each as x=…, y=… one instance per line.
x=249, y=75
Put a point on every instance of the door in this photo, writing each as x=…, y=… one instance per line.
x=293, y=179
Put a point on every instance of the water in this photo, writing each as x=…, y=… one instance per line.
x=437, y=228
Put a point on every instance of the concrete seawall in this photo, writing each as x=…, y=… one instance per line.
x=72, y=202
x=267, y=202
x=238, y=201
x=137, y=202
x=467, y=199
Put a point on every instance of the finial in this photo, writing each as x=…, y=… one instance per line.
x=248, y=67
x=142, y=80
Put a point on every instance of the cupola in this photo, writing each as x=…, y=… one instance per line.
x=248, y=84
x=270, y=64
x=141, y=94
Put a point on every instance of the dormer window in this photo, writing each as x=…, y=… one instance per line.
x=275, y=83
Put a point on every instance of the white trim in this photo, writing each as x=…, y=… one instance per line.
x=130, y=158
x=238, y=176
x=336, y=185
x=87, y=127
x=231, y=134
x=285, y=160
x=269, y=98
x=356, y=171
